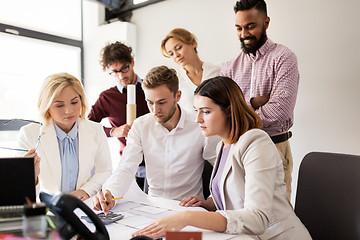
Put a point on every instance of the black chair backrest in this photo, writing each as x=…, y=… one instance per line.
x=328, y=195
x=206, y=176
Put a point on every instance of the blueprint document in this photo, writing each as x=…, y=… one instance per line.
x=140, y=210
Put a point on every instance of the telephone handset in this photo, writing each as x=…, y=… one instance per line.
x=70, y=225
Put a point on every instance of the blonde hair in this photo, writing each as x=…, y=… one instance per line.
x=180, y=34
x=52, y=87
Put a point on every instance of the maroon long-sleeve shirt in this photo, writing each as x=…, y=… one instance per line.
x=112, y=104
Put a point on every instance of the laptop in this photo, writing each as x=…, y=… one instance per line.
x=17, y=181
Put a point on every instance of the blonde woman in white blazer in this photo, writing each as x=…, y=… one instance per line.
x=248, y=193
x=62, y=106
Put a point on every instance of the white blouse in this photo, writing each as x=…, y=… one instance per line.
x=187, y=87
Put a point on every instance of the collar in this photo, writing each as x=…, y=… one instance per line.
x=120, y=87
x=181, y=123
x=262, y=50
x=61, y=134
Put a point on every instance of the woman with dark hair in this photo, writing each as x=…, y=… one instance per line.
x=248, y=194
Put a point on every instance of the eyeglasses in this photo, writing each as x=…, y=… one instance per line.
x=30, y=121
x=124, y=69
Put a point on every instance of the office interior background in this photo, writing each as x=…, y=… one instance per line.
x=323, y=34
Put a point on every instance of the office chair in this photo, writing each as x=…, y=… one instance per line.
x=328, y=195
x=206, y=176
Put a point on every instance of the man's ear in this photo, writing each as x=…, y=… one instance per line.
x=178, y=96
x=266, y=23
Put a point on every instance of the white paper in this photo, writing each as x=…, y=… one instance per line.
x=140, y=210
x=151, y=210
x=131, y=94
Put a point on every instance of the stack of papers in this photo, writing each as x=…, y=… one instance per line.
x=11, y=218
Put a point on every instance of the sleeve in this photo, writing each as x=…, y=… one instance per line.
x=227, y=69
x=25, y=139
x=280, y=107
x=99, y=111
x=124, y=174
x=260, y=160
x=103, y=164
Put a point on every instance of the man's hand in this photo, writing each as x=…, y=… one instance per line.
x=257, y=102
x=99, y=204
x=121, y=131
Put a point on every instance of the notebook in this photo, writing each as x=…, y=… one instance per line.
x=17, y=181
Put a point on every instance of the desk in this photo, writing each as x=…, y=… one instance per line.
x=140, y=210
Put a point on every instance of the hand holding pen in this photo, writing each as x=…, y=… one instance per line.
x=103, y=201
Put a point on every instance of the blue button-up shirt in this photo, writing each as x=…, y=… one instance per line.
x=70, y=169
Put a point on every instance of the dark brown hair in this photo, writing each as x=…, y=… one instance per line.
x=244, y=5
x=115, y=52
x=224, y=92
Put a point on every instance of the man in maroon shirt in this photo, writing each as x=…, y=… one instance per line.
x=118, y=61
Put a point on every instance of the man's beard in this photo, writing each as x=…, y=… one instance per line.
x=257, y=44
x=132, y=78
x=168, y=117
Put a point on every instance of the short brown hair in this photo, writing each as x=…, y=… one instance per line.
x=224, y=92
x=115, y=52
x=180, y=34
x=161, y=75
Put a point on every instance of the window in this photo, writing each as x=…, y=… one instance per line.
x=37, y=38
x=56, y=17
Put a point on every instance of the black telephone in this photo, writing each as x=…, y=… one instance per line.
x=63, y=205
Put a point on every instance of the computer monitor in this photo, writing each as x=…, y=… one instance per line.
x=17, y=180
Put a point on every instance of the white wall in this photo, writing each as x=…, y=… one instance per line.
x=323, y=34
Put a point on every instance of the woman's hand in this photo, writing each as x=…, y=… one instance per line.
x=32, y=153
x=158, y=229
x=196, y=201
x=80, y=194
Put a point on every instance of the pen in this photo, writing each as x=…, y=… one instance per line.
x=15, y=149
x=113, y=199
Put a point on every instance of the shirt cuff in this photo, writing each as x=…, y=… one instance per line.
x=234, y=221
x=111, y=132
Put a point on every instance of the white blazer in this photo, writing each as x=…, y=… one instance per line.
x=253, y=191
x=94, y=156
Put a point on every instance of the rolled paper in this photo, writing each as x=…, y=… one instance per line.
x=131, y=94
x=131, y=104
x=130, y=113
